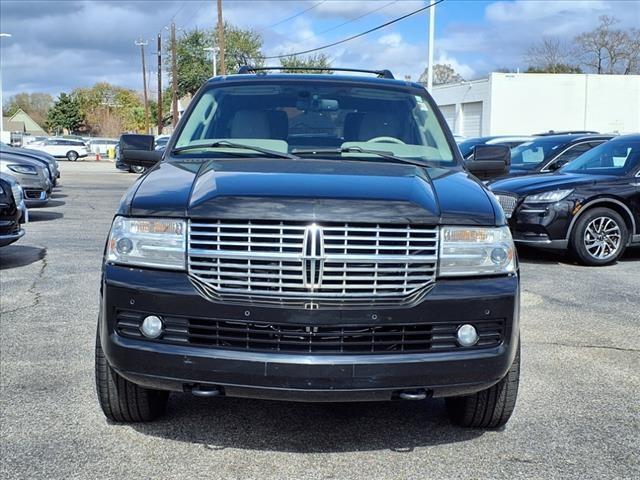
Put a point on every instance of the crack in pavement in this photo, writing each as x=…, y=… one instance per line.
x=604, y=347
x=33, y=288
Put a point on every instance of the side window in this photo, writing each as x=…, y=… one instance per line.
x=572, y=153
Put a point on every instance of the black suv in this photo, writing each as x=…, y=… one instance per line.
x=310, y=237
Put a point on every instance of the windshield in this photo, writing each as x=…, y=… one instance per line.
x=529, y=155
x=303, y=115
x=618, y=157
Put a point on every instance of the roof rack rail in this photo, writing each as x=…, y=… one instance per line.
x=379, y=73
x=565, y=132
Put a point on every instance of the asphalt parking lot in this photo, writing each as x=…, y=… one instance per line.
x=577, y=416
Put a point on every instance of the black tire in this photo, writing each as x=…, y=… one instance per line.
x=137, y=169
x=122, y=400
x=490, y=408
x=72, y=155
x=581, y=234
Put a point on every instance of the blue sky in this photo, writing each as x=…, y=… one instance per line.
x=60, y=45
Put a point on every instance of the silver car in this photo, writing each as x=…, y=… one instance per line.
x=31, y=175
x=44, y=158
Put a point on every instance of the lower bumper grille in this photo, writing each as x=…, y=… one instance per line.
x=34, y=194
x=316, y=339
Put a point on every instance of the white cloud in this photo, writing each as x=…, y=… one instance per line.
x=391, y=39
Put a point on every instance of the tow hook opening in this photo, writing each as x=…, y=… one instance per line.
x=200, y=390
x=415, y=394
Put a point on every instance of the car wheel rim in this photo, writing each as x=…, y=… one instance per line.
x=602, y=238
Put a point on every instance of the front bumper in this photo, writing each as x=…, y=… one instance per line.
x=543, y=225
x=8, y=238
x=300, y=376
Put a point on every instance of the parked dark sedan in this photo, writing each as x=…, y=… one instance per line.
x=590, y=207
x=550, y=152
x=11, y=211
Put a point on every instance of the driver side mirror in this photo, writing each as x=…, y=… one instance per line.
x=489, y=161
x=557, y=165
x=138, y=150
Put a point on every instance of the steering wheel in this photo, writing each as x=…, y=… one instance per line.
x=386, y=140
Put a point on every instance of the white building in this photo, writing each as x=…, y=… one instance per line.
x=526, y=103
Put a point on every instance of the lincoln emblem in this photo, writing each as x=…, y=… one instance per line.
x=312, y=257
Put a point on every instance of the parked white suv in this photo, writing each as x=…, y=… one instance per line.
x=62, y=147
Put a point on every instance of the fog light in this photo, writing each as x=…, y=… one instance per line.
x=499, y=256
x=124, y=246
x=467, y=335
x=152, y=326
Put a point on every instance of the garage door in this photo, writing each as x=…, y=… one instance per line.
x=449, y=113
x=472, y=119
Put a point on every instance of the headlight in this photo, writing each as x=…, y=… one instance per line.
x=25, y=169
x=148, y=242
x=548, y=197
x=476, y=251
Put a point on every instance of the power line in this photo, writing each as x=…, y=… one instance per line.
x=353, y=37
x=351, y=20
x=195, y=13
x=280, y=22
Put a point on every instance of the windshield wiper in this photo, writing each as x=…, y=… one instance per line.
x=226, y=144
x=356, y=149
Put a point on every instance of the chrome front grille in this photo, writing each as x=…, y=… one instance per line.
x=288, y=262
x=508, y=203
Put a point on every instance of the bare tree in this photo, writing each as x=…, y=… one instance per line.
x=632, y=53
x=550, y=55
x=608, y=49
x=442, y=74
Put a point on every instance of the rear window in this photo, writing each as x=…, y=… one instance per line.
x=303, y=115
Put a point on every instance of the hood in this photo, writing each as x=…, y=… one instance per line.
x=313, y=190
x=28, y=152
x=529, y=184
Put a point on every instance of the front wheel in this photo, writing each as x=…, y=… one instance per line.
x=490, y=408
x=72, y=156
x=137, y=169
x=122, y=400
x=599, y=237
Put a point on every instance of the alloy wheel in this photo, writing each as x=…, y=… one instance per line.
x=602, y=238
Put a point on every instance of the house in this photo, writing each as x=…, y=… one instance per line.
x=18, y=125
x=527, y=103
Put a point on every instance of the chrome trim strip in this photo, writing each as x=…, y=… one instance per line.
x=545, y=168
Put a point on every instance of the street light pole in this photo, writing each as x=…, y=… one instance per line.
x=1, y=101
x=215, y=63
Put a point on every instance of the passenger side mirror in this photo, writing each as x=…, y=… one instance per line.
x=138, y=150
x=489, y=161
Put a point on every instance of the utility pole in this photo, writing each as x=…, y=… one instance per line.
x=174, y=77
x=7, y=35
x=159, y=84
x=142, y=44
x=432, y=24
x=223, y=67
